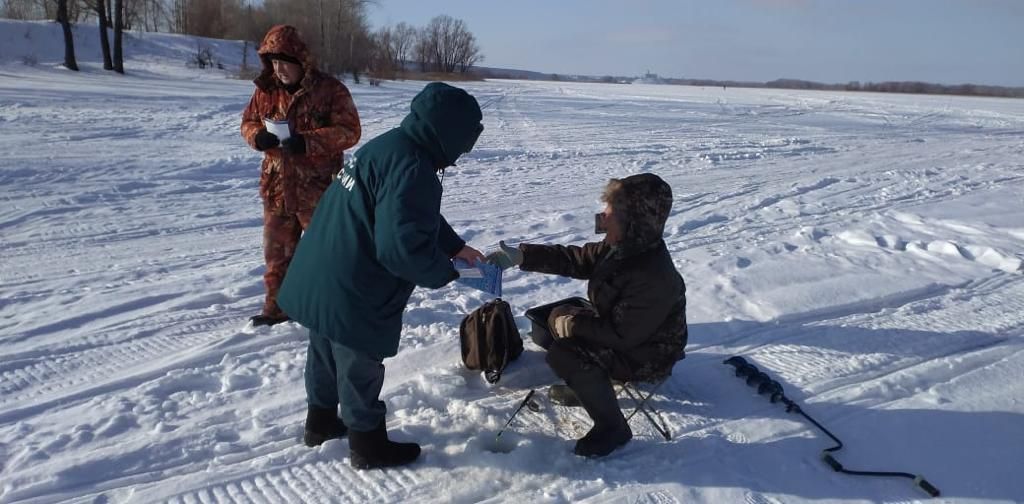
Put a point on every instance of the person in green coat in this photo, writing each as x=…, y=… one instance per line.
x=375, y=235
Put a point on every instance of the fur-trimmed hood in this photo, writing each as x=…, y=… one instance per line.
x=642, y=204
x=285, y=39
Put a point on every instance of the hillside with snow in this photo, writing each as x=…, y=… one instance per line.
x=865, y=250
x=41, y=44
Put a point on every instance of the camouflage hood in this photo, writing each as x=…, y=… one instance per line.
x=284, y=40
x=641, y=203
x=444, y=120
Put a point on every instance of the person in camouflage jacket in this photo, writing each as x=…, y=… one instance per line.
x=637, y=329
x=296, y=171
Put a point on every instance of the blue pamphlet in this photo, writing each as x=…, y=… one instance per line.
x=484, y=276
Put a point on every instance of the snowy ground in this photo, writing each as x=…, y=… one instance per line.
x=864, y=249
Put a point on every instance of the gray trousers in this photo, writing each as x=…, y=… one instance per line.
x=336, y=374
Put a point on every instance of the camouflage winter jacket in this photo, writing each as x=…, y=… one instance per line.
x=639, y=295
x=321, y=110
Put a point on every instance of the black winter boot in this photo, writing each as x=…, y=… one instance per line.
x=373, y=449
x=610, y=429
x=267, y=320
x=322, y=424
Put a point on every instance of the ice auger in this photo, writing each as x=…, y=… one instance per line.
x=767, y=386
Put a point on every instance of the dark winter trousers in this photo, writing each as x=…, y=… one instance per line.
x=281, y=234
x=336, y=374
x=567, y=358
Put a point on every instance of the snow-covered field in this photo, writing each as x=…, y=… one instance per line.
x=864, y=249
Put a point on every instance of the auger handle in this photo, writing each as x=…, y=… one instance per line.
x=919, y=480
x=924, y=485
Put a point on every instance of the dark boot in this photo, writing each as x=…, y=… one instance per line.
x=267, y=320
x=373, y=449
x=322, y=424
x=562, y=395
x=610, y=429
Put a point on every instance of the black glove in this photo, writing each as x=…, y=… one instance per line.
x=295, y=144
x=266, y=140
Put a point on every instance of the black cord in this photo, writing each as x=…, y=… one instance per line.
x=768, y=386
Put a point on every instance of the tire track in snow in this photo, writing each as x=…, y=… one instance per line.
x=321, y=481
x=895, y=340
x=54, y=380
x=786, y=323
x=798, y=191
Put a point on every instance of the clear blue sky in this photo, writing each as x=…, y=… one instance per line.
x=944, y=41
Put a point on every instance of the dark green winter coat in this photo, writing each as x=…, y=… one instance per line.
x=378, y=230
x=639, y=295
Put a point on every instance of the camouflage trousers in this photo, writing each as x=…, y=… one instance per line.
x=281, y=234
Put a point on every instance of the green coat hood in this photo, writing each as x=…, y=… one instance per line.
x=444, y=120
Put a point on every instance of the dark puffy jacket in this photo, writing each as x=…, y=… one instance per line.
x=321, y=110
x=378, y=230
x=639, y=295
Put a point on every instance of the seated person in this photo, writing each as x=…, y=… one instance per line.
x=637, y=329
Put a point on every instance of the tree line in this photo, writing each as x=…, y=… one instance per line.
x=912, y=87
x=337, y=31
x=444, y=45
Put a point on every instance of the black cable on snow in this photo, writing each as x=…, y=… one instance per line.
x=773, y=389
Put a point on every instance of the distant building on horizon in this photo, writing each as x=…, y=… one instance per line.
x=650, y=78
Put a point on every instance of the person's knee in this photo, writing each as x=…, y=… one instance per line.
x=563, y=361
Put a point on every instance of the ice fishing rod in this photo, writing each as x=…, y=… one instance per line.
x=773, y=389
x=526, y=400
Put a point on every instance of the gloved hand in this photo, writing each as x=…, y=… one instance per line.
x=266, y=140
x=561, y=319
x=295, y=144
x=506, y=257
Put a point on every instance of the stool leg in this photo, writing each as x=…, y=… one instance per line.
x=642, y=406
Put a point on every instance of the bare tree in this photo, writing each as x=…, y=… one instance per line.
x=25, y=9
x=69, y=39
x=449, y=45
x=383, y=44
x=421, y=50
x=150, y=13
x=101, y=12
x=435, y=39
x=403, y=38
x=466, y=51
x=336, y=31
x=180, y=24
x=118, y=27
x=205, y=18
x=40, y=9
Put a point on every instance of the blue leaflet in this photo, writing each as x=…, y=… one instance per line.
x=485, y=277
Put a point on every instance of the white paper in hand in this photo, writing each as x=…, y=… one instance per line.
x=469, y=272
x=280, y=129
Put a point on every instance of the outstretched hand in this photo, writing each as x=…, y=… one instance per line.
x=471, y=255
x=506, y=256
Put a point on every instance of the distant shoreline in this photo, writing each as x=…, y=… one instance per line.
x=901, y=87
